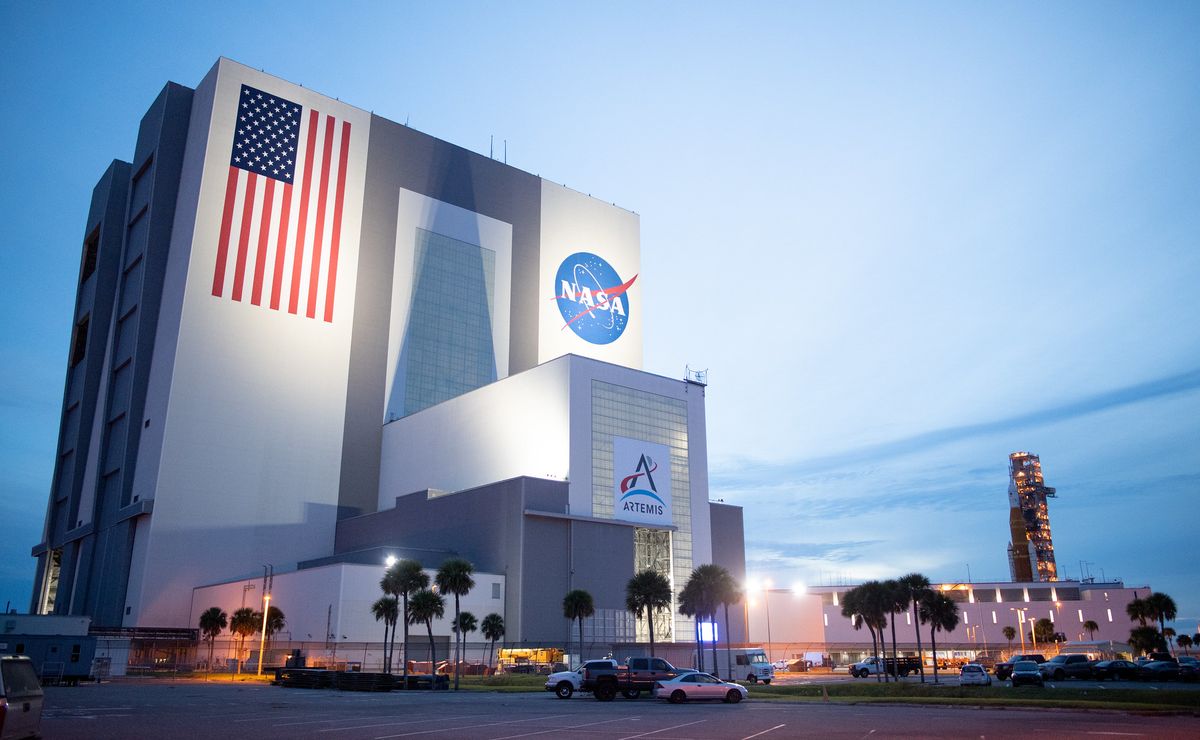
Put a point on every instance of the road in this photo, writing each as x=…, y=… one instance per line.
x=198, y=710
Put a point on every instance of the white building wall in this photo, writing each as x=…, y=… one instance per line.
x=799, y=619
x=504, y=430
x=340, y=595
x=573, y=222
x=252, y=428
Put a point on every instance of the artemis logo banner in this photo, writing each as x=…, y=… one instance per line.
x=641, y=481
x=282, y=218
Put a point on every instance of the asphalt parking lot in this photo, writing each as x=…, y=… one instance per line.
x=198, y=710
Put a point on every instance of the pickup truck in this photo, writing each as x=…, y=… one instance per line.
x=566, y=683
x=1004, y=670
x=631, y=679
x=874, y=665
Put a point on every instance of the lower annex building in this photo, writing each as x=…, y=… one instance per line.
x=310, y=337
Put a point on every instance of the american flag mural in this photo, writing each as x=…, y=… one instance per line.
x=282, y=219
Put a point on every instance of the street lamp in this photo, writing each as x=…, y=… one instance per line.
x=262, y=642
x=390, y=561
x=1021, y=620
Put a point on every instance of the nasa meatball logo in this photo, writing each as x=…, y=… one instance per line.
x=592, y=298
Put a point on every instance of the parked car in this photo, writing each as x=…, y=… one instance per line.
x=973, y=674
x=1114, y=669
x=566, y=683
x=1159, y=670
x=631, y=679
x=1025, y=672
x=20, y=698
x=1188, y=660
x=693, y=686
x=1004, y=670
x=1065, y=666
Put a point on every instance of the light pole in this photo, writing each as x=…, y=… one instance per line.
x=262, y=642
x=1020, y=626
x=767, y=605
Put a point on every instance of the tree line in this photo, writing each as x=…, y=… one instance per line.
x=244, y=622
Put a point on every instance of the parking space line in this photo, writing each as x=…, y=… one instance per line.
x=472, y=727
x=569, y=727
x=397, y=724
x=340, y=719
x=773, y=729
x=676, y=727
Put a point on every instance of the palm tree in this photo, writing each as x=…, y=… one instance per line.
x=387, y=609
x=1145, y=639
x=577, y=605
x=731, y=593
x=917, y=585
x=402, y=579
x=1138, y=609
x=454, y=577
x=941, y=614
x=689, y=599
x=423, y=607
x=1043, y=630
x=852, y=609
x=493, y=629
x=243, y=623
x=1091, y=628
x=712, y=580
x=876, y=603
x=275, y=622
x=1185, y=642
x=897, y=601
x=1167, y=634
x=648, y=592
x=212, y=621
x=1010, y=634
x=466, y=624
x=1161, y=608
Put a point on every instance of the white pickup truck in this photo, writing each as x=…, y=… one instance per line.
x=874, y=665
x=566, y=683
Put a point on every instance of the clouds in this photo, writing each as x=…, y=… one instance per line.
x=1125, y=462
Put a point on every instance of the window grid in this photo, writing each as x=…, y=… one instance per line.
x=627, y=412
x=448, y=348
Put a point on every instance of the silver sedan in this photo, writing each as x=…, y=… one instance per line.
x=692, y=686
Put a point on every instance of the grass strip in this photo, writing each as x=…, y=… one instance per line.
x=1058, y=697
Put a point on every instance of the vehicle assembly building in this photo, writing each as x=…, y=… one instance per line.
x=311, y=337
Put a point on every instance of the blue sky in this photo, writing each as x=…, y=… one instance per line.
x=905, y=239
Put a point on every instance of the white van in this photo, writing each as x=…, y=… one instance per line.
x=20, y=699
x=747, y=664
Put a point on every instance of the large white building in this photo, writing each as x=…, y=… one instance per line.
x=295, y=316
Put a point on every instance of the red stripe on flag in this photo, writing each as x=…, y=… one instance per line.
x=223, y=239
x=285, y=211
x=314, y=271
x=239, y=272
x=336, y=239
x=264, y=230
x=294, y=297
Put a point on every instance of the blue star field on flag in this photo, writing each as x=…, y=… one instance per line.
x=266, y=135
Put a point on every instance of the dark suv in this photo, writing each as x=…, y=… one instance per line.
x=1004, y=670
x=1066, y=666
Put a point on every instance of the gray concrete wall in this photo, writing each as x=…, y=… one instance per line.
x=401, y=157
x=729, y=552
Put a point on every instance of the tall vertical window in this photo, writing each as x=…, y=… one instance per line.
x=91, y=248
x=448, y=347
x=79, y=341
x=50, y=581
